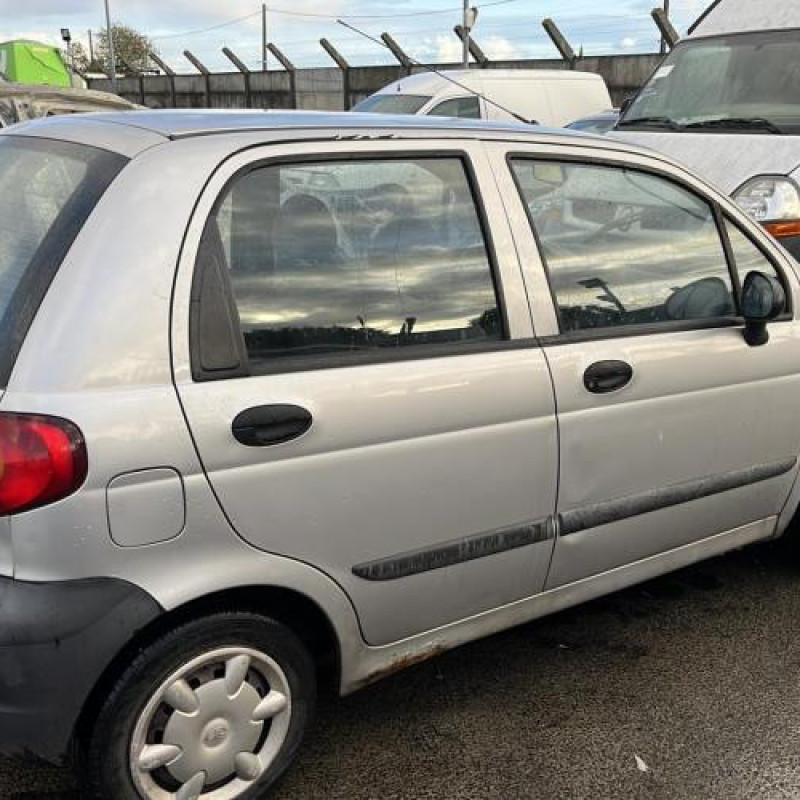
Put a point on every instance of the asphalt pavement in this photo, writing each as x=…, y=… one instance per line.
x=684, y=688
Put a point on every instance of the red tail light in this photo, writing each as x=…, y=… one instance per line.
x=42, y=459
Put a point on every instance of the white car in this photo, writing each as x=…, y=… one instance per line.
x=544, y=97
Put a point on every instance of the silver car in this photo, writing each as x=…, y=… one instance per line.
x=300, y=396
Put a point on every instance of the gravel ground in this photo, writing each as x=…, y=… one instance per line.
x=684, y=688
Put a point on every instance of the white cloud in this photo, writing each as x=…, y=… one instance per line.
x=48, y=37
x=498, y=48
x=448, y=49
x=628, y=43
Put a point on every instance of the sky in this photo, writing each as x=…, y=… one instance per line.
x=505, y=28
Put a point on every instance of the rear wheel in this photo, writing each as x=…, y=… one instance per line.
x=214, y=710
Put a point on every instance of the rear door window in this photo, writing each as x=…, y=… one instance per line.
x=47, y=189
x=344, y=259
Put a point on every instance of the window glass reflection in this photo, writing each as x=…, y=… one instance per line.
x=624, y=247
x=346, y=256
x=747, y=256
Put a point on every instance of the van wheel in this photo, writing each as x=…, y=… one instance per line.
x=215, y=709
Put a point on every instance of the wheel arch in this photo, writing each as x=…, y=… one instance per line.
x=293, y=609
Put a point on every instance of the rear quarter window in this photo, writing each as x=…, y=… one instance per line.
x=48, y=188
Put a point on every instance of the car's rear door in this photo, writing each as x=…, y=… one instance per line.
x=357, y=368
x=672, y=429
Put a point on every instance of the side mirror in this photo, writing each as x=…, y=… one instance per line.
x=763, y=299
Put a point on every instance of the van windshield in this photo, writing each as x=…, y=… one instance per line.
x=48, y=188
x=393, y=103
x=742, y=83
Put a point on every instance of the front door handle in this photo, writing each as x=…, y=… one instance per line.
x=607, y=376
x=262, y=426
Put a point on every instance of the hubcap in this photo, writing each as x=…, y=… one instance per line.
x=212, y=728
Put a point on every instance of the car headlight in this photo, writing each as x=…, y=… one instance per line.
x=774, y=202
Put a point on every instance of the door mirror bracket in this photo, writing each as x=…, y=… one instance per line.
x=763, y=299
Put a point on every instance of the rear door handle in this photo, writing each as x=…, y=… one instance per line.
x=607, y=376
x=262, y=426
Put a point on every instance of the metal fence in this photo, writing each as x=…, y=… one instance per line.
x=338, y=88
x=341, y=87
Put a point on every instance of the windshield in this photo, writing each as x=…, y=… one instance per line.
x=752, y=77
x=392, y=103
x=48, y=188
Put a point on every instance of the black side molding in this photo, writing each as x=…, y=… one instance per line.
x=455, y=552
x=581, y=519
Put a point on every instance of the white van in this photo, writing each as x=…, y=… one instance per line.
x=546, y=97
x=726, y=101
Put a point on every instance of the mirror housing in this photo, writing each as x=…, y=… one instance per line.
x=763, y=299
x=626, y=104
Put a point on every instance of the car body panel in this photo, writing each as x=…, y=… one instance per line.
x=735, y=16
x=375, y=663
x=723, y=158
x=390, y=452
x=456, y=445
x=549, y=97
x=676, y=422
x=657, y=431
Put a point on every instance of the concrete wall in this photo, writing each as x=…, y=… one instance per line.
x=325, y=88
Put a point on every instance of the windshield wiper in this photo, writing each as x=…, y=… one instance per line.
x=661, y=122
x=736, y=123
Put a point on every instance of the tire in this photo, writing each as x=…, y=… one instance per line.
x=181, y=692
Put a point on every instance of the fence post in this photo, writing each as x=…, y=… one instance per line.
x=559, y=40
x=397, y=52
x=341, y=62
x=242, y=67
x=170, y=73
x=474, y=48
x=668, y=33
x=289, y=67
x=203, y=70
x=128, y=70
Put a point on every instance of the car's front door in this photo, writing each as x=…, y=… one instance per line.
x=672, y=429
x=367, y=407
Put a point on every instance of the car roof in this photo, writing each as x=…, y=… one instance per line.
x=131, y=132
x=740, y=16
x=432, y=82
x=180, y=124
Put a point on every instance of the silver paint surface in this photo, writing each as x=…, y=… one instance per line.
x=735, y=16
x=405, y=455
x=726, y=160
x=146, y=507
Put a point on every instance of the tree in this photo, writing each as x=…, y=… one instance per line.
x=79, y=60
x=131, y=48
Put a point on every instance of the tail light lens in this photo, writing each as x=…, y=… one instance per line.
x=42, y=459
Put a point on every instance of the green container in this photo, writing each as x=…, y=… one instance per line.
x=24, y=61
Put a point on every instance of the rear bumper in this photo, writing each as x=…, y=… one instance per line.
x=56, y=639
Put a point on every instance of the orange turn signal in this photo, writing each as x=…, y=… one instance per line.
x=782, y=229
